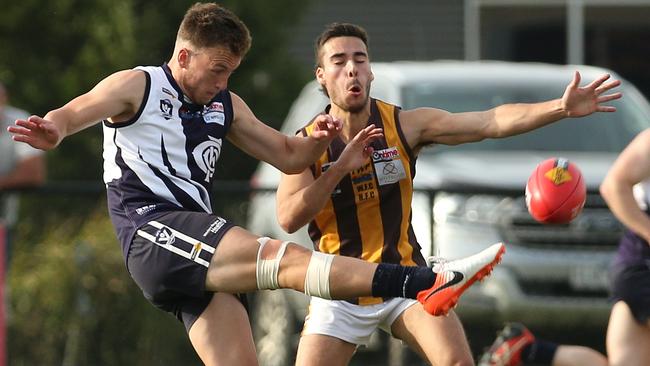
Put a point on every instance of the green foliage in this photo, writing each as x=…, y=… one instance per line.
x=74, y=303
x=52, y=51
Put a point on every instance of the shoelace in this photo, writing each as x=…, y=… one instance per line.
x=437, y=264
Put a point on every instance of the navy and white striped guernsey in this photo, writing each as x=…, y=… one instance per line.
x=164, y=158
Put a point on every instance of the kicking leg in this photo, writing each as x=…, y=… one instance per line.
x=241, y=263
x=233, y=267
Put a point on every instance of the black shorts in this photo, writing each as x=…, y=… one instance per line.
x=631, y=284
x=169, y=259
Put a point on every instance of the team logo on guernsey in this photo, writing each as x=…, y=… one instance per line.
x=388, y=166
x=206, y=155
x=166, y=108
x=165, y=236
x=214, y=113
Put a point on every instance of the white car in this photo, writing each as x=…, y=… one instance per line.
x=472, y=195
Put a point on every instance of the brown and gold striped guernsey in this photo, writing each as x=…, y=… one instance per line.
x=368, y=216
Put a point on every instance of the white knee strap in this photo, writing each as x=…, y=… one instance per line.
x=317, y=280
x=267, y=269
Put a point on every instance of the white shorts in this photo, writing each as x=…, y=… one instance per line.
x=352, y=323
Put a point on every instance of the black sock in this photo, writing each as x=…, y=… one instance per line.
x=539, y=352
x=392, y=280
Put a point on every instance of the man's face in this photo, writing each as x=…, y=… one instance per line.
x=345, y=72
x=206, y=72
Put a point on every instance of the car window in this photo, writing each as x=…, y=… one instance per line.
x=600, y=132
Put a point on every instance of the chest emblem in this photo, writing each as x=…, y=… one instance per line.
x=206, y=155
x=166, y=108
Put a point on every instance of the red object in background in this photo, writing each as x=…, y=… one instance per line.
x=555, y=192
x=3, y=323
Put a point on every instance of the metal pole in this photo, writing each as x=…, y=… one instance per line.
x=472, y=36
x=3, y=323
x=575, y=23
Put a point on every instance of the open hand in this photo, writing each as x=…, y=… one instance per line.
x=326, y=127
x=358, y=149
x=37, y=132
x=582, y=101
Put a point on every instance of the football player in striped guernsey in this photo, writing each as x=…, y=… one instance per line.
x=360, y=205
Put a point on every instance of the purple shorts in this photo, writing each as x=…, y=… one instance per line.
x=630, y=276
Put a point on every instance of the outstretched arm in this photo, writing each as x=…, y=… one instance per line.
x=117, y=97
x=631, y=167
x=424, y=126
x=290, y=154
x=300, y=197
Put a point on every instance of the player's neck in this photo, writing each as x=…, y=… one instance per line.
x=177, y=72
x=353, y=122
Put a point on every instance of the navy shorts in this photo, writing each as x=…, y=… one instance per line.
x=631, y=284
x=169, y=259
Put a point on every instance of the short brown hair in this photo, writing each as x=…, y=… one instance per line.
x=210, y=25
x=334, y=30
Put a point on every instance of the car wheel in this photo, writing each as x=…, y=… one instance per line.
x=275, y=329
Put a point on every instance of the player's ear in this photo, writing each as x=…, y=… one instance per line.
x=183, y=57
x=320, y=77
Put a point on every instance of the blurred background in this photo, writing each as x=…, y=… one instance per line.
x=68, y=298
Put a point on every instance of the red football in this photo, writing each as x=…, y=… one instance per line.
x=555, y=192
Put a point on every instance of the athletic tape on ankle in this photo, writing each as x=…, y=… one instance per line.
x=317, y=280
x=267, y=269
